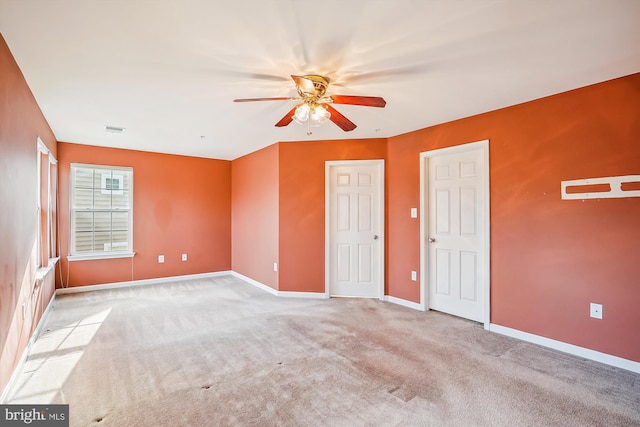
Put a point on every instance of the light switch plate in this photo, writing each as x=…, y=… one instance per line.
x=160, y=259
x=184, y=257
x=414, y=212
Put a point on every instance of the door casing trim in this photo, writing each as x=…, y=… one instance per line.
x=329, y=164
x=424, y=225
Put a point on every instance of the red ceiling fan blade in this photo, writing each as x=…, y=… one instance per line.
x=340, y=120
x=288, y=118
x=261, y=99
x=367, y=101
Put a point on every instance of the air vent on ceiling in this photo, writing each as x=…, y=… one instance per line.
x=114, y=129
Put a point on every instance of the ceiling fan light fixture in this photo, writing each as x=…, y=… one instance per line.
x=319, y=115
x=302, y=113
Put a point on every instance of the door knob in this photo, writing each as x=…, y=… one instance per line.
x=432, y=240
x=375, y=237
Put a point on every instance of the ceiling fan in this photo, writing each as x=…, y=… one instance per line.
x=315, y=106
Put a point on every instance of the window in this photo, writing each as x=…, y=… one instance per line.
x=47, y=167
x=101, y=215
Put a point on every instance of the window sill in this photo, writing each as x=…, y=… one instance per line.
x=42, y=272
x=93, y=257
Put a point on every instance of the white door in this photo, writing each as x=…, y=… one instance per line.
x=355, y=250
x=456, y=233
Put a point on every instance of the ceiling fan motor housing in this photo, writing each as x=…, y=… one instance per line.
x=319, y=83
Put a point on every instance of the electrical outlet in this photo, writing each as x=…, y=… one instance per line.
x=275, y=266
x=595, y=310
x=160, y=259
x=414, y=276
x=184, y=257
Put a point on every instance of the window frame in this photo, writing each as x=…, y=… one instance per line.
x=46, y=238
x=79, y=256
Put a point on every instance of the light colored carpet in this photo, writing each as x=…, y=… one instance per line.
x=221, y=352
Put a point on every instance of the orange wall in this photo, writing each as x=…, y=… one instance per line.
x=21, y=122
x=549, y=257
x=255, y=215
x=302, y=206
x=180, y=205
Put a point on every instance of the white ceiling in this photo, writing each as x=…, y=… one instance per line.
x=168, y=70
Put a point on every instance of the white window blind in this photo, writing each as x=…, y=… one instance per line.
x=101, y=214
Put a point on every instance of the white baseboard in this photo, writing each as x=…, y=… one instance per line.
x=404, y=303
x=308, y=295
x=284, y=294
x=143, y=282
x=255, y=283
x=25, y=352
x=586, y=353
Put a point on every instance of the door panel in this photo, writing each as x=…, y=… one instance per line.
x=443, y=211
x=468, y=276
x=443, y=271
x=365, y=263
x=365, y=211
x=455, y=190
x=468, y=214
x=344, y=263
x=355, y=225
x=343, y=212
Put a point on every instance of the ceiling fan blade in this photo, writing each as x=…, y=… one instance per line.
x=261, y=99
x=340, y=120
x=288, y=118
x=306, y=85
x=367, y=101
